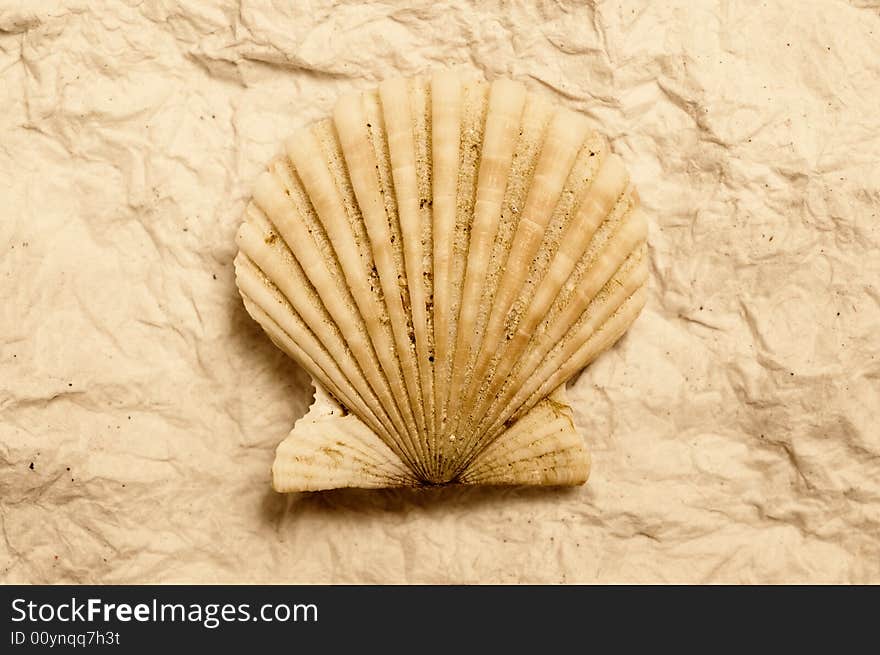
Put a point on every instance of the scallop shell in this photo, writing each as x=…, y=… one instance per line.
x=441, y=256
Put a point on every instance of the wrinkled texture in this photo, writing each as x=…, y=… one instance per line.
x=734, y=430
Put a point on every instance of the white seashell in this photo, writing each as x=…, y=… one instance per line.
x=441, y=256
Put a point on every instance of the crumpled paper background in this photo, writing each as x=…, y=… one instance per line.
x=735, y=431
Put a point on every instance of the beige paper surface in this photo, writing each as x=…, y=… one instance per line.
x=735, y=431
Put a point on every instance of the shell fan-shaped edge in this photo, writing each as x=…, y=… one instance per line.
x=441, y=256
